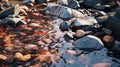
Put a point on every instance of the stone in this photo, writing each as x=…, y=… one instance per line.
x=79, y=33
x=64, y=26
x=13, y=10
x=116, y=48
x=102, y=19
x=34, y=25
x=101, y=13
x=4, y=1
x=28, y=1
x=88, y=43
x=69, y=3
x=113, y=24
x=62, y=11
x=12, y=21
x=117, y=14
x=41, y=1
x=101, y=7
x=83, y=23
x=91, y=3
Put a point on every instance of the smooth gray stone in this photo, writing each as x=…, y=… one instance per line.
x=88, y=43
x=13, y=10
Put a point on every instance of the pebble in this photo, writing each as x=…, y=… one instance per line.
x=34, y=25
x=79, y=33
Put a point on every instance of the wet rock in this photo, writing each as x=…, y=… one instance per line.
x=91, y=3
x=116, y=48
x=83, y=23
x=62, y=11
x=69, y=3
x=88, y=43
x=101, y=13
x=13, y=10
x=117, y=14
x=113, y=24
x=29, y=2
x=102, y=19
x=12, y=22
x=42, y=1
x=108, y=41
x=64, y=26
x=101, y=7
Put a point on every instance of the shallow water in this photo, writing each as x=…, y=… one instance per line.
x=83, y=59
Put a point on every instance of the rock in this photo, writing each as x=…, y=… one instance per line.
x=91, y=3
x=62, y=11
x=69, y=3
x=102, y=19
x=29, y=2
x=88, y=43
x=13, y=10
x=12, y=21
x=41, y=1
x=79, y=33
x=64, y=26
x=83, y=23
x=117, y=14
x=101, y=13
x=34, y=25
x=113, y=24
x=116, y=48
x=101, y=7
x=4, y=1
x=108, y=41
